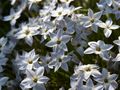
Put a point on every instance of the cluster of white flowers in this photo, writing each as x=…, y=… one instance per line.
x=53, y=36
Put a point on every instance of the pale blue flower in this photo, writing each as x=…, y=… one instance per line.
x=14, y=14
x=63, y=10
x=47, y=28
x=35, y=79
x=67, y=25
x=108, y=27
x=106, y=81
x=27, y=32
x=88, y=70
x=58, y=41
x=29, y=60
x=59, y=60
x=91, y=20
x=98, y=47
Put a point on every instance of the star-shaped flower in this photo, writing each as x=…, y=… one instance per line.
x=99, y=48
x=108, y=27
x=35, y=79
x=27, y=32
x=106, y=81
x=58, y=40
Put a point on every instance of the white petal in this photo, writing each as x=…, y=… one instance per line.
x=117, y=42
x=87, y=24
x=107, y=32
x=57, y=66
x=89, y=51
x=109, y=2
x=117, y=57
x=111, y=87
x=66, y=38
x=98, y=15
x=43, y=79
x=90, y=13
x=51, y=43
x=64, y=66
x=7, y=18
x=89, y=83
x=52, y=63
x=87, y=75
x=104, y=72
x=26, y=83
x=92, y=44
x=101, y=24
x=40, y=71
x=3, y=80
x=109, y=22
x=29, y=40
x=114, y=27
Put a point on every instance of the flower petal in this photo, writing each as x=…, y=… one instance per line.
x=107, y=32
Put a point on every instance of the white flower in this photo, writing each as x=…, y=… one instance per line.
x=78, y=84
x=59, y=60
x=47, y=28
x=63, y=10
x=67, y=25
x=108, y=27
x=15, y=14
x=88, y=70
x=27, y=32
x=28, y=60
x=98, y=47
x=58, y=41
x=91, y=20
x=34, y=79
x=59, y=13
x=106, y=81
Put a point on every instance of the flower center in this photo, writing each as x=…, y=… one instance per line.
x=87, y=69
x=106, y=80
x=58, y=41
x=35, y=79
x=27, y=32
x=60, y=60
x=65, y=29
x=59, y=13
x=92, y=20
x=98, y=49
x=30, y=61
